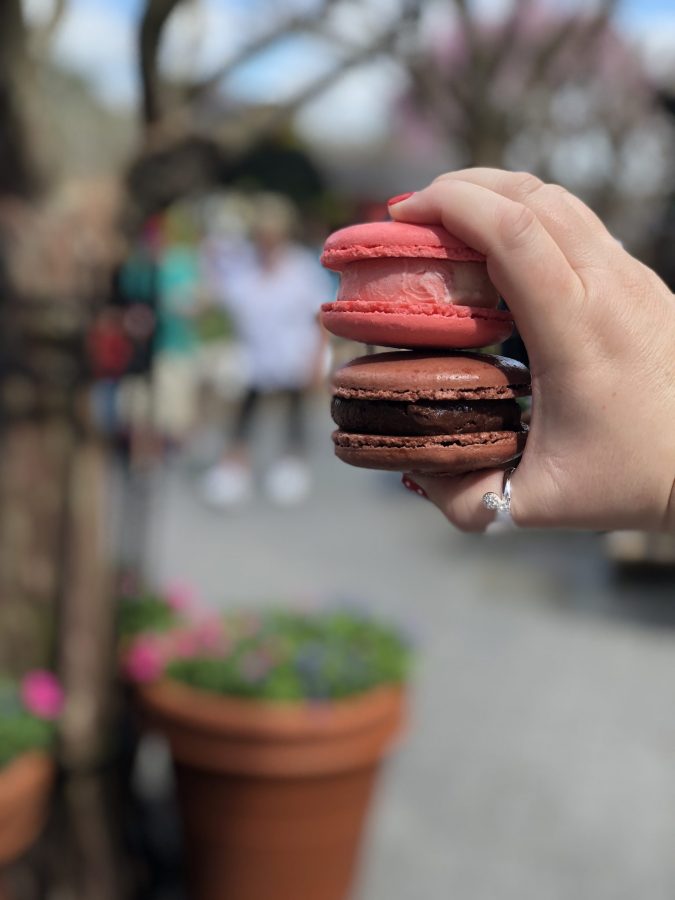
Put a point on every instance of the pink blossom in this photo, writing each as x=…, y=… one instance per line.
x=42, y=694
x=184, y=643
x=182, y=597
x=146, y=657
x=211, y=635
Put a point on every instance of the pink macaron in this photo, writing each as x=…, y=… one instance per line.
x=415, y=286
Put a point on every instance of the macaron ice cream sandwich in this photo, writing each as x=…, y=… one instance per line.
x=429, y=413
x=405, y=285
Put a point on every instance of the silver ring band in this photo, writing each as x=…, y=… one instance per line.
x=501, y=504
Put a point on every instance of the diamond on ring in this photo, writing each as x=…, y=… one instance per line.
x=498, y=504
x=494, y=502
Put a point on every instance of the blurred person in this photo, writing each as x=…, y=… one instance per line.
x=109, y=346
x=272, y=289
x=175, y=375
x=135, y=292
x=599, y=328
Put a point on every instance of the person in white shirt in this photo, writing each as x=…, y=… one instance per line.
x=272, y=290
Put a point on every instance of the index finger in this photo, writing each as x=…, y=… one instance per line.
x=525, y=263
x=579, y=233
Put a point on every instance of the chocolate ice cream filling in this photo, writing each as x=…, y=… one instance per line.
x=424, y=417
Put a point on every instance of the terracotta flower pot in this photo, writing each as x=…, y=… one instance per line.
x=24, y=792
x=273, y=796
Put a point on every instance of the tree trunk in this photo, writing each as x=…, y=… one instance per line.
x=18, y=169
x=155, y=16
x=87, y=619
x=34, y=459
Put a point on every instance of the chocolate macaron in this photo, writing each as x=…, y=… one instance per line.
x=433, y=413
x=404, y=285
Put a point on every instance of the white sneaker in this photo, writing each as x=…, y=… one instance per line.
x=227, y=485
x=288, y=482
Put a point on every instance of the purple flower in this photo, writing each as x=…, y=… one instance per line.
x=42, y=694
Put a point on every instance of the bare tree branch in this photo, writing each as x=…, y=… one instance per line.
x=18, y=168
x=584, y=33
x=508, y=38
x=444, y=96
x=155, y=16
x=466, y=91
x=465, y=102
x=469, y=29
x=178, y=119
x=41, y=36
x=290, y=25
x=360, y=56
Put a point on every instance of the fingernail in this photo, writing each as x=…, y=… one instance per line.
x=399, y=198
x=413, y=486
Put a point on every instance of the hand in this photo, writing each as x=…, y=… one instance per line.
x=599, y=328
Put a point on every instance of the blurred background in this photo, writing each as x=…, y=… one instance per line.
x=167, y=166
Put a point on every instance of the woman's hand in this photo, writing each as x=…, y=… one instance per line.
x=599, y=328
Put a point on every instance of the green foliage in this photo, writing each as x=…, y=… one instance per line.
x=22, y=734
x=20, y=731
x=147, y=612
x=287, y=656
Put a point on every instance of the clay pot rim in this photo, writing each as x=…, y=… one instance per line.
x=29, y=771
x=264, y=719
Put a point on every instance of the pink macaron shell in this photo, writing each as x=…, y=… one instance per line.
x=374, y=240
x=417, y=326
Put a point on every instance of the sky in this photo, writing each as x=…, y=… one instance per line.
x=96, y=39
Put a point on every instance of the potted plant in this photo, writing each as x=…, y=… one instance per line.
x=277, y=722
x=28, y=711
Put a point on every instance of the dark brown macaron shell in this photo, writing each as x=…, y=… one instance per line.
x=435, y=413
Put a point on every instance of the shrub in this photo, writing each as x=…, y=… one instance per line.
x=274, y=654
x=28, y=711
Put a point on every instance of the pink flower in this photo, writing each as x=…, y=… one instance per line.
x=182, y=597
x=211, y=636
x=145, y=659
x=42, y=694
x=184, y=643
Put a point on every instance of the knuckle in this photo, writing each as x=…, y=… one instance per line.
x=557, y=189
x=515, y=224
x=527, y=184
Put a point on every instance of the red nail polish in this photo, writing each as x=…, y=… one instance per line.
x=399, y=198
x=413, y=486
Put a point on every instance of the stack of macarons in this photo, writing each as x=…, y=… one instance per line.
x=433, y=407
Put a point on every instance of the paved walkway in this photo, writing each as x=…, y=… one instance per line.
x=540, y=764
